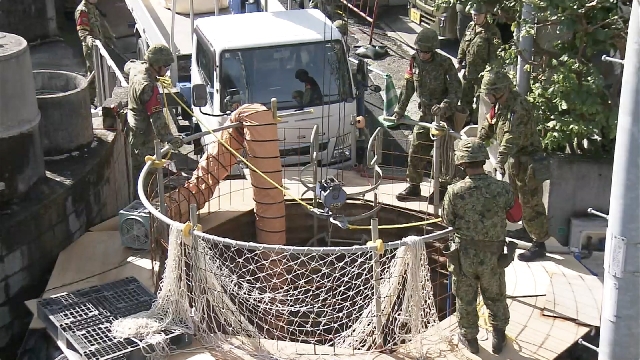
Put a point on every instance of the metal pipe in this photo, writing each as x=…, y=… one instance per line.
x=610, y=59
x=289, y=5
x=619, y=331
x=526, y=50
x=373, y=21
x=174, y=66
x=217, y=7
x=314, y=162
x=435, y=184
x=593, y=212
x=160, y=178
x=582, y=342
x=191, y=17
x=376, y=285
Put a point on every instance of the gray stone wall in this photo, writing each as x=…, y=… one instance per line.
x=80, y=191
x=577, y=183
x=28, y=18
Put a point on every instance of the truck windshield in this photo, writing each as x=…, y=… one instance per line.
x=298, y=75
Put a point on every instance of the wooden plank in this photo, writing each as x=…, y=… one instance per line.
x=530, y=335
x=95, y=258
x=112, y=224
x=575, y=297
x=533, y=278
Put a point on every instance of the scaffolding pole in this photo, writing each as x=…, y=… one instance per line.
x=526, y=50
x=620, y=330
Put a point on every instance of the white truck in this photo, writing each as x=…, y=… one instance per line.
x=231, y=58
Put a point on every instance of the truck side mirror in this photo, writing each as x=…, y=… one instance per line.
x=375, y=88
x=199, y=95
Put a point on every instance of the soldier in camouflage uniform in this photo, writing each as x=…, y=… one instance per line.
x=90, y=27
x=478, y=48
x=342, y=27
x=146, y=116
x=434, y=78
x=476, y=209
x=511, y=121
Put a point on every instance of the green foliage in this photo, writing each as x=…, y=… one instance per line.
x=574, y=108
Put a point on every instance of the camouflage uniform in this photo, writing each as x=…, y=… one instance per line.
x=146, y=117
x=90, y=27
x=478, y=48
x=437, y=84
x=342, y=27
x=476, y=209
x=312, y=95
x=513, y=124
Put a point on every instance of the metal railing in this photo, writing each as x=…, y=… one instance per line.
x=105, y=73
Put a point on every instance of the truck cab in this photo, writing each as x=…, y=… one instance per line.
x=254, y=57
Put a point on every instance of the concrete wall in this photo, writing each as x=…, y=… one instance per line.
x=31, y=19
x=79, y=192
x=576, y=184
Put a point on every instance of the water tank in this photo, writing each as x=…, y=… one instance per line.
x=66, y=123
x=21, y=152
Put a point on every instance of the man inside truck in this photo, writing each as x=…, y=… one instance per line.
x=260, y=74
x=312, y=95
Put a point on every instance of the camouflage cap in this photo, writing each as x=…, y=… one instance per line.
x=471, y=150
x=479, y=9
x=496, y=81
x=427, y=40
x=159, y=55
x=341, y=25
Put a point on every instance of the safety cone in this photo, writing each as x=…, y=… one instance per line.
x=390, y=97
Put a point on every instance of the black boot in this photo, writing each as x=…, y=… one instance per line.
x=498, y=341
x=471, y=344
x=442, y=190
x=412, y=192
x=537, y=251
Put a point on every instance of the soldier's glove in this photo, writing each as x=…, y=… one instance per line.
x=504, y=260
x=397, y=116
x=90, y=41
x=176, y=143
x=439, y=109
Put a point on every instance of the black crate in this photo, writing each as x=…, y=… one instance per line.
x=81, y=320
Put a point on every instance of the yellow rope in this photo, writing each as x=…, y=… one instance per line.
x=483, y=321
x=159, y=163
x=166, y=83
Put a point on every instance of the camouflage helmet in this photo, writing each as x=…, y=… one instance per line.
x=496, y=81
x=159, y=55
x=341, y=25
x=479, y=9
x=471, y=150
x=427, y=40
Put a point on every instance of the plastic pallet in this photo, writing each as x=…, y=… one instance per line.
x=81, y=320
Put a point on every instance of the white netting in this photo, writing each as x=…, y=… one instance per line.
x=316, y=296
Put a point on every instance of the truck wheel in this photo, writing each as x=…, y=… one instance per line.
x=141, y=48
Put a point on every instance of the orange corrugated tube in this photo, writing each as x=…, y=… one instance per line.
x=260, y=135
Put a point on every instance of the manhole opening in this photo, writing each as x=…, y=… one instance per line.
x=303, y=325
